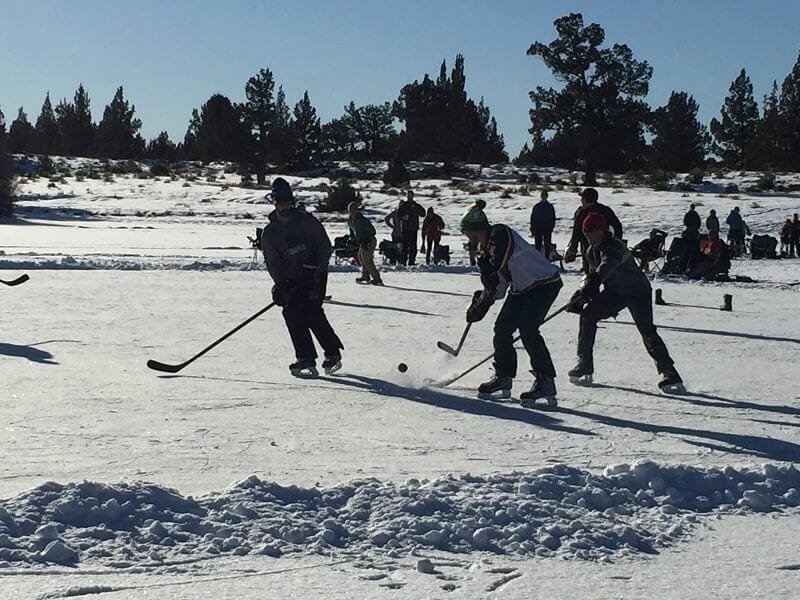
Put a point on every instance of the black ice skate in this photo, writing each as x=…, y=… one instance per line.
x=305, y=367
x=498, y=383
x=581, y=374
x=544, y=389
x=671, y=382
x=332, y=363
x=362, y=279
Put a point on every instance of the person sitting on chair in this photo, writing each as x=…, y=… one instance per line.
x=650, y=249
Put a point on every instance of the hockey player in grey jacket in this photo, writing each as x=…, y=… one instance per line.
x=624, y=286
x=297, y=251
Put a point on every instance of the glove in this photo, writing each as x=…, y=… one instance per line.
x=570, y=255
x=591, y=287
x=482, y=301
x=282, y=294
x=577, y=303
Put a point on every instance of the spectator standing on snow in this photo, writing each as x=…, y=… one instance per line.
x=786, y=238
x=589, y=204
x=612, y=266
x=362, y=231
x=712, y=222
x=297, y=251
x=507, y=261
x=393, y=223
x=409, y=213
x=432, y=228
x=736, y=231
x=691, y=221
x=795, y=238
x=543, y=221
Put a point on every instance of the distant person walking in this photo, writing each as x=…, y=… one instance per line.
x=432, y=228
x=543, y=221
x=362, y=231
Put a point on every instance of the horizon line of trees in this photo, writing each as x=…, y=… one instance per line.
x=596, y=121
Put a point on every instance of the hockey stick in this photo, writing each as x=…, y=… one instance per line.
x=167, y=368
x=21, y=279
x=447, y=382
x=454, y=351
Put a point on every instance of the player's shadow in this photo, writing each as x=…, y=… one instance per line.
x=451, y=402
x=720, y=332
x=732, y=443
x=710, y=400
x=409, y=311
x=32, y=353
x=423, y=291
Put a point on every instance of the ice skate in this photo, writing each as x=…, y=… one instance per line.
x=376, y=282
x=305, y=367
x=581, y=374
x=544, y=390
x=363, y=279
x=671, y=382
x=332, y=363
x=498, y=383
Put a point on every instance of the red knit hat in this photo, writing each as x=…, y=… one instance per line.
x=594, y=221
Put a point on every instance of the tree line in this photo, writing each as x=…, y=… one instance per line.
x=596, y=120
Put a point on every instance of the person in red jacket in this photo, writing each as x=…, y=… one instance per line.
x=432, y=228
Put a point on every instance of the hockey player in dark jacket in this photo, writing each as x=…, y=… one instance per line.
x=297, y=251
x=589, y=204
x=624, y=285
x=507, y=261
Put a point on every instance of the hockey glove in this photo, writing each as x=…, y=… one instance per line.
x=482, y=301
x=576, y=303
x=591, y=287
x=570, y=255
x=282, y=294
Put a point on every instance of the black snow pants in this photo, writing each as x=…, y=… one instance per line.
x=409, y=243
x=608, y=304
x=304, y=316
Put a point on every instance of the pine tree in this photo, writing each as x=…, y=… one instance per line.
x=766, y=151
x=118, y=131
x=337, y=140
x=735, y=132
x=372, y=129
x=6, y=173
x=789, y=110
x=281, y=136
x=82, y=128
x=260, y=113
x=218, y=131
x=596, y=120
x=21, y=134
x=46, y=140
x=161, y=148
x=305, y=133
x=680, y=141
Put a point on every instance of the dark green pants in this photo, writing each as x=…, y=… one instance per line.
x=524, y=312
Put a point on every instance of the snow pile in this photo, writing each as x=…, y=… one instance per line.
x=556, y=511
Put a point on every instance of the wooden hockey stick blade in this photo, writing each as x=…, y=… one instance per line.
x=21, y=279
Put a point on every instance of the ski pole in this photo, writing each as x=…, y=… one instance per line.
x=447, y=382
x=170, y=368
x=454, y=351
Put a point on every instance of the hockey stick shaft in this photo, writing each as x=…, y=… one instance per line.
x=21, y=279
x=168, y=368
x=491, y=356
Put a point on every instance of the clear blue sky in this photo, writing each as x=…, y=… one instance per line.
x=171, y=55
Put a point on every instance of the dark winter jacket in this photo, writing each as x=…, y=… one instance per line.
x=543, y=216
x=432, y=228
x=691, y=220
x=735, y=221
x=786, y=231
x=580, y=215
x=361, y=230
x=294, y=251
x=393, y=223
x=795, y=230
x=409, y=213
x=712, y=223
x=616, y=267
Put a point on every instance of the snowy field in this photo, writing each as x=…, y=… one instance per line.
x=233, y=479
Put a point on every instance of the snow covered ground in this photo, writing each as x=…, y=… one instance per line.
x=233, y=479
